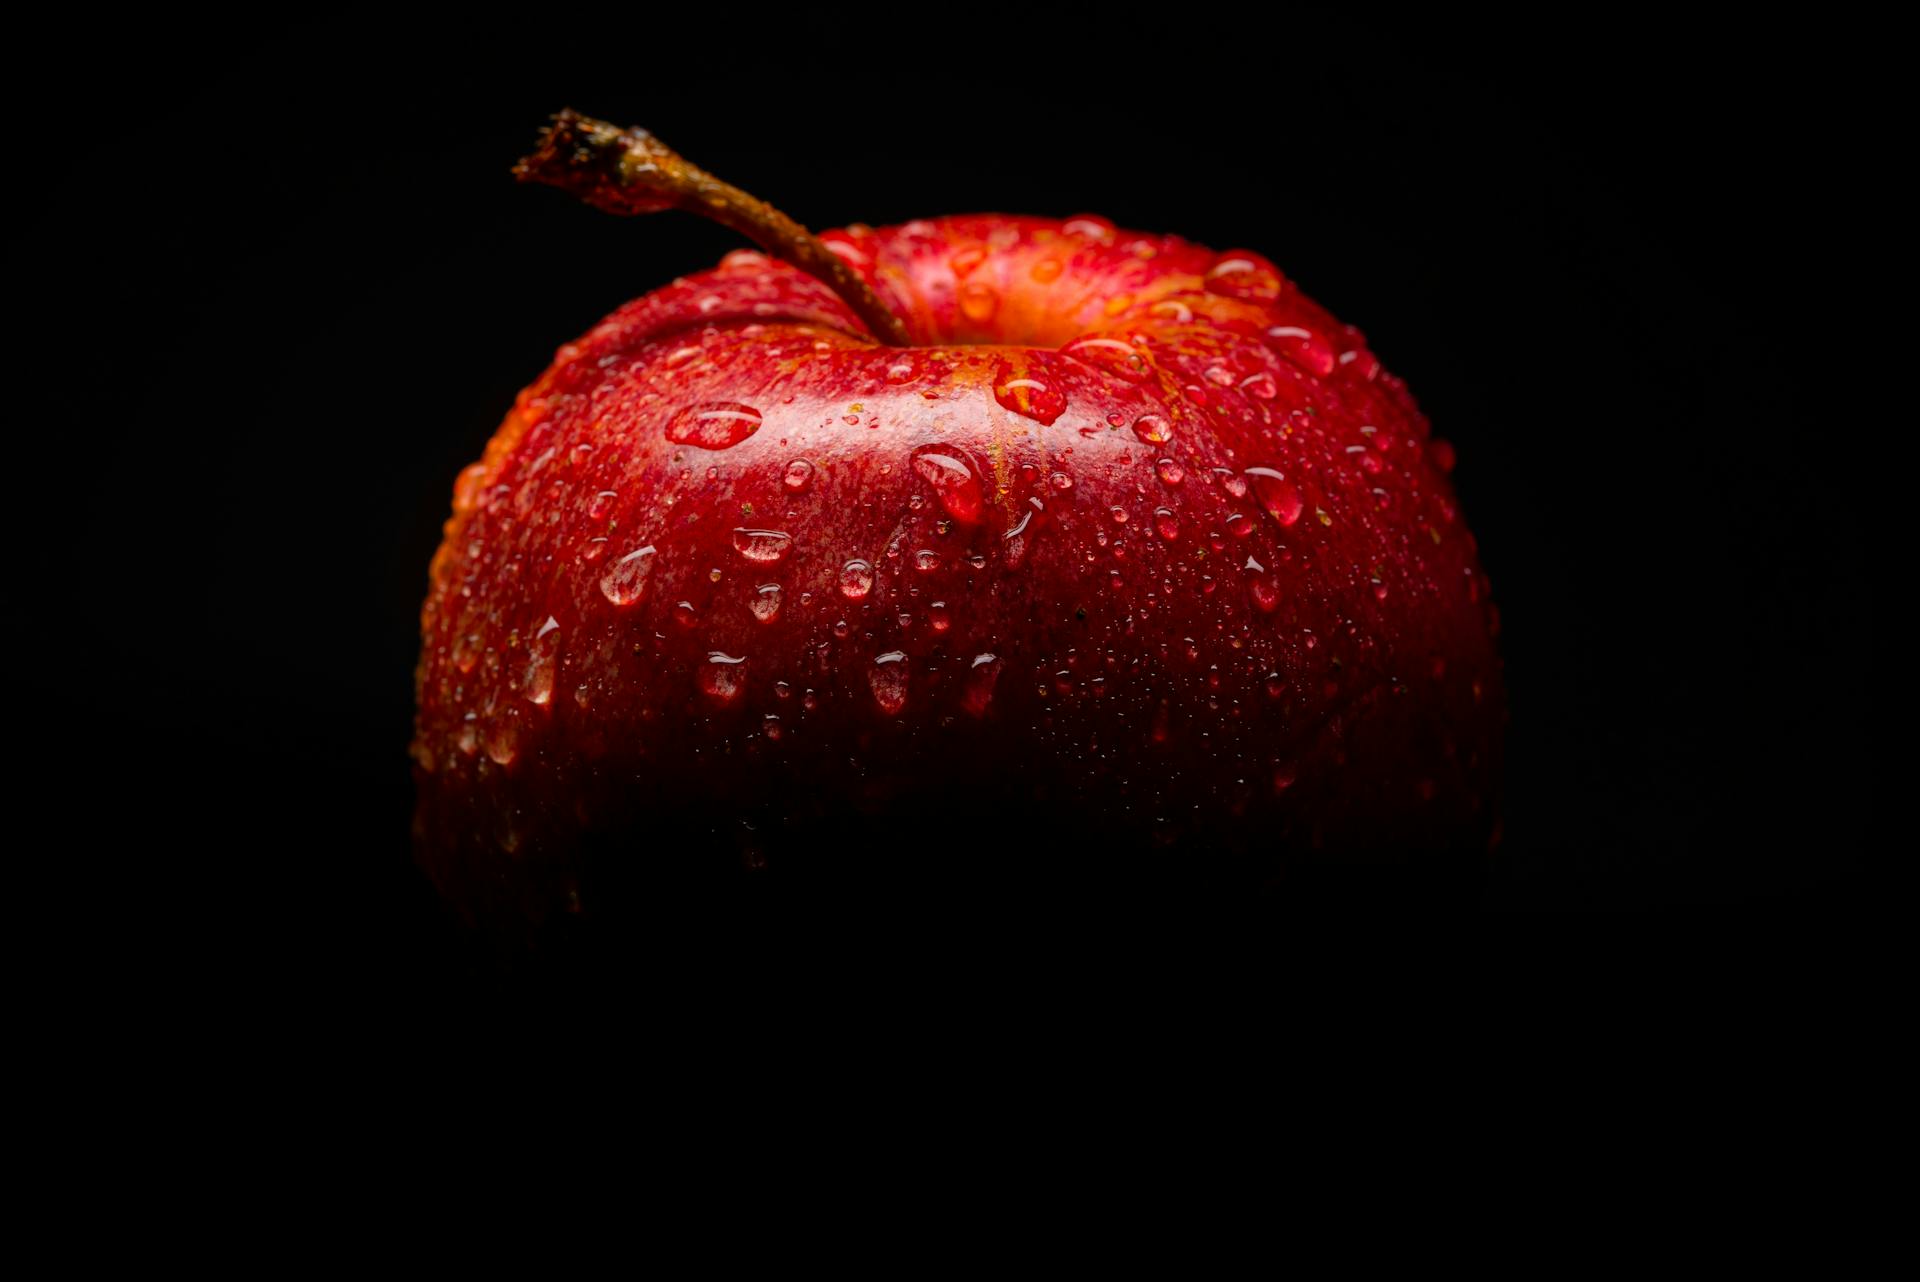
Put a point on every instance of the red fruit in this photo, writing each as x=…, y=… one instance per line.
x=1132, y=574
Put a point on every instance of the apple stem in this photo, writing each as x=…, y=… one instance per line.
x=629, y=171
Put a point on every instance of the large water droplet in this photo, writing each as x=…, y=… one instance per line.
x=979, y=301
x=723, y=678
x=541, y=653
x=762, y=546
x=1265, y=592
x=1035, y=398
x=1153, y=429
x=799, y=473
x=954, y=481
x=765, y=602
x=1166, y=523
x=977, y=692
x=502, y=738
x=1089, y=227
x=715, y=425
x=856, y=580
x=625, y=581
x=1111, y=356
x=1170, y=472
x=1304, y=348
x=1277, y=494
x=1244, y=275
x=888, y=680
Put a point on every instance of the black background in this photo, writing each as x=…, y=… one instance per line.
x=290, y=291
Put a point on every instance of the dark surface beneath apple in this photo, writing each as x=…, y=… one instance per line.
x=323, y=289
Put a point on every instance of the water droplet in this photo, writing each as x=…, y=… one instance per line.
x=977, y=692
x=625, y=581
x=1244, y=275
x=1277, y=494
x=723, y=678
x=1046, y=270
x=926, y=560
x=602, y=506
x=765, y=602
x=1153, y=429
x=888, y=680
x=1239, y=526
x=1166, y=523
x=1362, y=363
x=715, y=425
x=1304, y=348
x=1170, y=472
x=1118, y=513
x=954, y=481
x=966, y=260
x=685, y=615
x=900, y=372
x=856, y=580
x=1061, y=482
x=1260, y=386
x=1110, y=355
x=939, y=616
x=798, y=475
x=762, y=546
x=979, y=301
x=1264, y=591
x=593, y=549
x=771, y=725
x=1089, y=227
x=1034, y=398
x=502, y=739
x=537, y=684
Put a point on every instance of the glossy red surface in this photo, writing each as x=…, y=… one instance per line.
x=1136, y=538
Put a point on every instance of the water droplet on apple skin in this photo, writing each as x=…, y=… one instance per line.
x=888, y=679
x=765, y=602
x=954, y=479
x=763, y=547
x=1279, y=496
x=713, y=425
x=856, y=579
x=1028, y=393
x=722, y=678
x=625, y=582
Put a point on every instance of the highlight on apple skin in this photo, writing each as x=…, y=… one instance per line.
x=1130, y=577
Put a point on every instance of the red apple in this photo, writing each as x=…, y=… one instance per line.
x=1132, y=575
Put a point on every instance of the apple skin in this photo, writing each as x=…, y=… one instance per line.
x=712, y=614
